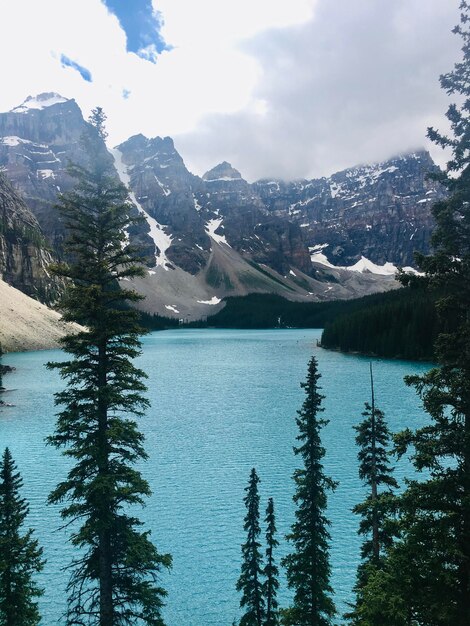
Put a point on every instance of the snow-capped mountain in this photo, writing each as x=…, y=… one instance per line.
x=206, y=238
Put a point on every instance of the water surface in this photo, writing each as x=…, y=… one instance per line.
x=223, y=401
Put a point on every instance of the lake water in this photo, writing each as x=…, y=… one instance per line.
x=223, y=401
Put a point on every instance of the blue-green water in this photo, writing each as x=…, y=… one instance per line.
x=223, y=401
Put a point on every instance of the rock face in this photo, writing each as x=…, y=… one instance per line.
x=38, y=140
x=23, y=253
x=219, y=235
x=378, y=211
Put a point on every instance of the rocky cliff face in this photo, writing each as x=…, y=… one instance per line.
x=38, y=140
x=219, y=235
x=379, y=211
x=24, y=257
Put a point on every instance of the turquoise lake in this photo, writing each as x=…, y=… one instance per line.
x=223, y=401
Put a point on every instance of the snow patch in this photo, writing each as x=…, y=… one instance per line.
x=214, y=300
x=165, y=189
x=364, y=265
x=13, y=140
x=161, y=239
x=171, y=307
x=211, y=227
x=42, y=101
x=224, y=178
x=46, y=174
x=319, y=257
x=197, y=206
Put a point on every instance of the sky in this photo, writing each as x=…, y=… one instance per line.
x=279, y=88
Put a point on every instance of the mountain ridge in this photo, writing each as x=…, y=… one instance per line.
x=208, y=237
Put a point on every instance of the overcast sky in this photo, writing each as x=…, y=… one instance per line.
x=280, y=88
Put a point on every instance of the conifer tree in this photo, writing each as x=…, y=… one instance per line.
x=271, y=572
x=308, y=566
x=436, y=516
x=114, y=578
x=250, y=581
x=20, y=554
x=373, y=439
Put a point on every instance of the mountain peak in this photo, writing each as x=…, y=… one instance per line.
x=41, y=101
x=223, y=171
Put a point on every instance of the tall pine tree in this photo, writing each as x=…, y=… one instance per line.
x=20, y=554
x=308, y=566
x=250, y=581
x=373, y=439
x=271, y=572
x=114, y=578
x=437, y=510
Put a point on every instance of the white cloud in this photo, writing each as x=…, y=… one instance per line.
x=280, y=87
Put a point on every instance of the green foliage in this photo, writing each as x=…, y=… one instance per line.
x=308, y=567
x=250, y=583
x=271, y=311
x=399, y=324
x=271, y=572
x=377, y=524
x=20, y=555
x=114, y=579
x=153, y=321
x=435, y=517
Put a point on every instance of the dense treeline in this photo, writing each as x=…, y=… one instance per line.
x=272, y=311
x=401, y=324
x=398, y=324
x=153, y=321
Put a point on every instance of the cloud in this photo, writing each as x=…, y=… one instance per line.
x=357, y=83
x=288, y=88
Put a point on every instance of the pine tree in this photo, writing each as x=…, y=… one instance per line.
x=308, y=567
x=114, y=578
x=436, y=514
x=20, y=554
x=271, y=572
x=250, y=583
x=373, y=439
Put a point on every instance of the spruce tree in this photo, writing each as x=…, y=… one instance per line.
x=308, y=566
x=271, y=572
x=436, y=516
x=20, y=554
x=250, y=581
x=114, y=578
x=373, y=439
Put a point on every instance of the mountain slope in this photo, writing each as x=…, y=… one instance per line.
x=26, y=324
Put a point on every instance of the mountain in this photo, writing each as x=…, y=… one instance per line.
x=38, y=139
x=24, y=254
x=206, y=238
x=379, y=211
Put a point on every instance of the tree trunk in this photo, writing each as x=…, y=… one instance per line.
x=105, y=557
